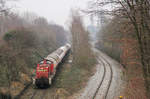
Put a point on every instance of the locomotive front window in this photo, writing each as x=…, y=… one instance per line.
x=41, y=62
x=47, y=62
x=44, y=65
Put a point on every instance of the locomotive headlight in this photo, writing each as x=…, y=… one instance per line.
x=33, y=80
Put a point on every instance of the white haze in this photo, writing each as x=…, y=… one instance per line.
x=57, y=11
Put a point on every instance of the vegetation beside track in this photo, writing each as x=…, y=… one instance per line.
x=72, y=77
x=21, y=49
x=118, y=40
x=84, y=60
x=124, y=35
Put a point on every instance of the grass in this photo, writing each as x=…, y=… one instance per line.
x=71, y=78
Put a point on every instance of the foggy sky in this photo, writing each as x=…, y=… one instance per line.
x=57, y=11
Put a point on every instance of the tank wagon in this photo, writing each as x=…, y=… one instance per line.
x=47, y=68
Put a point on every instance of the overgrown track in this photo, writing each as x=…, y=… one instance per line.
x=107, y=68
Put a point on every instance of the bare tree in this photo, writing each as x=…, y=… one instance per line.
x=82, y=54
x=137, y=11
x=4, y=9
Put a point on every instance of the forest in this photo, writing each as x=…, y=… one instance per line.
x=24, y=40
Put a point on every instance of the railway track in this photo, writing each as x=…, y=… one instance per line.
x=101, y=80
x=44, y=94
x=39, y=94
x=105, y=80
x=34, y=93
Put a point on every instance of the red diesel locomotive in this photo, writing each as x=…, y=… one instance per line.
x=46, y=69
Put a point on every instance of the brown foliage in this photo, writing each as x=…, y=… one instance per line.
x=137, y=12
x=83, y=55
x=121, y=33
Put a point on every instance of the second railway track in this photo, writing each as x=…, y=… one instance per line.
x=104, y=86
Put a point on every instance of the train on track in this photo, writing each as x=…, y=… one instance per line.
x=47, y=68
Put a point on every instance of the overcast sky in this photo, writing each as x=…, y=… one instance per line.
x=57, y=11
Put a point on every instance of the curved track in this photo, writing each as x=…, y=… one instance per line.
x=101, y=80
x=105, y=83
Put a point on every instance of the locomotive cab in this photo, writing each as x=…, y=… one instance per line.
x=43, y=71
